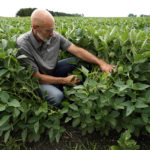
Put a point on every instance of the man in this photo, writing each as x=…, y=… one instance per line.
x=42, y=45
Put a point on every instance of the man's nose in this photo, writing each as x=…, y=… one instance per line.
x=51, y=33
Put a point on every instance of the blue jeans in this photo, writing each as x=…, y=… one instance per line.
x=54, y=94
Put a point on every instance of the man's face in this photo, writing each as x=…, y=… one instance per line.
x=45, y=32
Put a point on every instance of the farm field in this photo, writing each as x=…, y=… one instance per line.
x=101, y=105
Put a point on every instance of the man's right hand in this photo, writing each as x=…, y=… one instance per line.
x=71, y=80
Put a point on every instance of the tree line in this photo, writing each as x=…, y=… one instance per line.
x=24, y=12
x=142, y=15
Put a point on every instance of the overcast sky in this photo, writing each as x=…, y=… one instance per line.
x=90, y=8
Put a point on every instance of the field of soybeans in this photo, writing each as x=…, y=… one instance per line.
x=100, y=104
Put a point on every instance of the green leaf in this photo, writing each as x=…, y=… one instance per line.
x=14, y=103
x=58, y=135
x=76, y=122
x=21, y=56
x=4, y=96
x=74, y=107
x=140, y=57
x=3, y=55
x=36, y=127
x=24, y=135
x=145, y=118
x=67, y=119
x=98, y=116
x=50, y=133
x=87, y=111
x=129, y=110
x=147, y=128
x=140, y=86
x=78, y=87
x=84, y=71
x=33, y=119
x=113, y=122
x=90, y=129
x=140, y=104
x=5, y=127
x=6, y=136
x=4, y=43
x=115, y=114
x=16, y=113
x=4, y=119
x=75, y=115
x=3, y=71
x=72, y=79
x=96, y=43
x=64, y=110
x=2, y=107
x=114, y=147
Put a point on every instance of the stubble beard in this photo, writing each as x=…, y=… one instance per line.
x=42, y=38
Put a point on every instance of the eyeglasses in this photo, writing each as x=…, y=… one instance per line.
x=48, y=31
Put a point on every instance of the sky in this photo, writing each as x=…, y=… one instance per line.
x=90, y=8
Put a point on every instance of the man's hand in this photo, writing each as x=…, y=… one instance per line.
x=106, y=68
x=71, y=80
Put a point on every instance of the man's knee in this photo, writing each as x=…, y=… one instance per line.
x=56, y=98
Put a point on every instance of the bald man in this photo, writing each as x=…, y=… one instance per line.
x=41, y=45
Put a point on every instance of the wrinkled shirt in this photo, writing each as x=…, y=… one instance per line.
x=43, y=58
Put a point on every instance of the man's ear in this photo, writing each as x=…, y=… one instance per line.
x=35, y=26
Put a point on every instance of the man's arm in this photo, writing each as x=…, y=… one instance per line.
x=87, y=56
x=48, y=79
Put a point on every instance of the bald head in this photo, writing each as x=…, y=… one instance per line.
x=42, y=17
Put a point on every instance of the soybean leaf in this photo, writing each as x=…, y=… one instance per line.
x=147, y=128
x=87, y=111
x=3, y=55
x=78, y=87
x=16, y=113
x=4, y=96
x=4, y=43
x=113, y=122
x=14, y=103
x=4, y=119
x=58, y=135
x=3, y=71
x=64, y=110
x=140, y=104
x=36, y=127
x=24, y=134
x=21, y=56
x=6, y=136
x=2, y=107
x=98, y=116
x=84, y=71
x=114, y=147
x=74, y=107
x=51, y=134
x=140, y=86
x=76, y=122
x=129, y=110
x=145, y=117
x=67, y=119
x=72, y=79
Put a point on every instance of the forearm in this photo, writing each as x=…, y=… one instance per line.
x=47, y=79
x=88, y=57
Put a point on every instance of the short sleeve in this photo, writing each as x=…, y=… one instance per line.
x=28, y=61
x=64, y=43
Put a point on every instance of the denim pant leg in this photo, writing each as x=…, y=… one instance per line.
x=54, y=94
x=63, y=67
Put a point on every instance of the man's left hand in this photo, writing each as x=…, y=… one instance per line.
x=106, y=68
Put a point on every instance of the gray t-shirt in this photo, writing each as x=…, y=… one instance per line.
x=43, y=58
